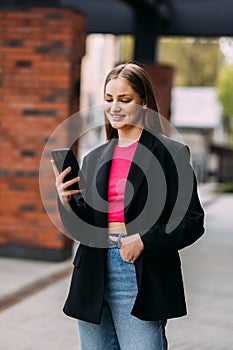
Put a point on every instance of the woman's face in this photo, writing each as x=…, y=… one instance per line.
x=121, y=104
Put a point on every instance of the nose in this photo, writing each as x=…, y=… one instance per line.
x=115, y=107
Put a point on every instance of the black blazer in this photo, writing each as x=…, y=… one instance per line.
x=163, y=207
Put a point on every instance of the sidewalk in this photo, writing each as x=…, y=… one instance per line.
x=34, y=320
x=207, y=268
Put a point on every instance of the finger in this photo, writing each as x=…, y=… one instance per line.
x=126, y=257
x=55, y=170
x=70, y=182
x=71, y=193
x=64, y=173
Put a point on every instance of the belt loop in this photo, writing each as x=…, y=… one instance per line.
x=119, y=242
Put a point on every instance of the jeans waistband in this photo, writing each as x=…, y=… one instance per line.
x=117, y=235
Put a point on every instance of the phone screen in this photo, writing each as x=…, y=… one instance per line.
x=64, y=158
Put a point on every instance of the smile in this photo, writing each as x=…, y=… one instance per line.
x=117, y=117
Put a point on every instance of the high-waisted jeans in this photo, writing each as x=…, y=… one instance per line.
x=118, y=329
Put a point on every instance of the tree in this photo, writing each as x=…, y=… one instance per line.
x=224, y=86
x=196, y=60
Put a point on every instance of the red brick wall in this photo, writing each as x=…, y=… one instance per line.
x=40, y=55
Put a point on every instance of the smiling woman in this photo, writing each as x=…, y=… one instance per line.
x=141, y=196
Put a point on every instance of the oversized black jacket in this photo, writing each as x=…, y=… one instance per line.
x=161, y=203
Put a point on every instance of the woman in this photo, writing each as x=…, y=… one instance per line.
x=145, y=209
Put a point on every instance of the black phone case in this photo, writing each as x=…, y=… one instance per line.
x=63, y=158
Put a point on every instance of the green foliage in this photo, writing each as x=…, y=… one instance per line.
x=226, y=188
x=126, y=46
x=224, y=86
x=196, y=60
x=225, y=90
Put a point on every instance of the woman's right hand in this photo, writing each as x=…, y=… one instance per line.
x=64, y=193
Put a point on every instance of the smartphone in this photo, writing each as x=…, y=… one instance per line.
x=63, y=158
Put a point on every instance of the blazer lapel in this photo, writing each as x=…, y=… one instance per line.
x=103, y=166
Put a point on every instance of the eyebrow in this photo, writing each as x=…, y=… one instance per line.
x=121, y=95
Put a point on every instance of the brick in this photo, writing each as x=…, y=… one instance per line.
x=40, y=54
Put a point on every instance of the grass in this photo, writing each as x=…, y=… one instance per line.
x=226, y=187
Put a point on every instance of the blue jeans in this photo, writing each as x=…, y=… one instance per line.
x=118, y=329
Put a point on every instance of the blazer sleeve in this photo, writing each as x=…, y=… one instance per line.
x=185, y=224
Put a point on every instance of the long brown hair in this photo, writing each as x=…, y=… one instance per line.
x=140, y=83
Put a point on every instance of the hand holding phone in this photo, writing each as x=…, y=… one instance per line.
x=64, y=158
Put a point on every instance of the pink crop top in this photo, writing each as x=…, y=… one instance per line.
x=121, y=162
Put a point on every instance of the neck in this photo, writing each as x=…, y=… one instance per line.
x=126, y=138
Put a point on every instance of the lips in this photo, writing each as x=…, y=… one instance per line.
x=117, y=117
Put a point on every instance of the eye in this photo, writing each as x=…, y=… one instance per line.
x=108, y=100
x=125, y=101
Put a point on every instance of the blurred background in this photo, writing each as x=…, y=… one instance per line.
x=54, y=56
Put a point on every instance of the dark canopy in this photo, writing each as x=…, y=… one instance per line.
x=165, y=17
